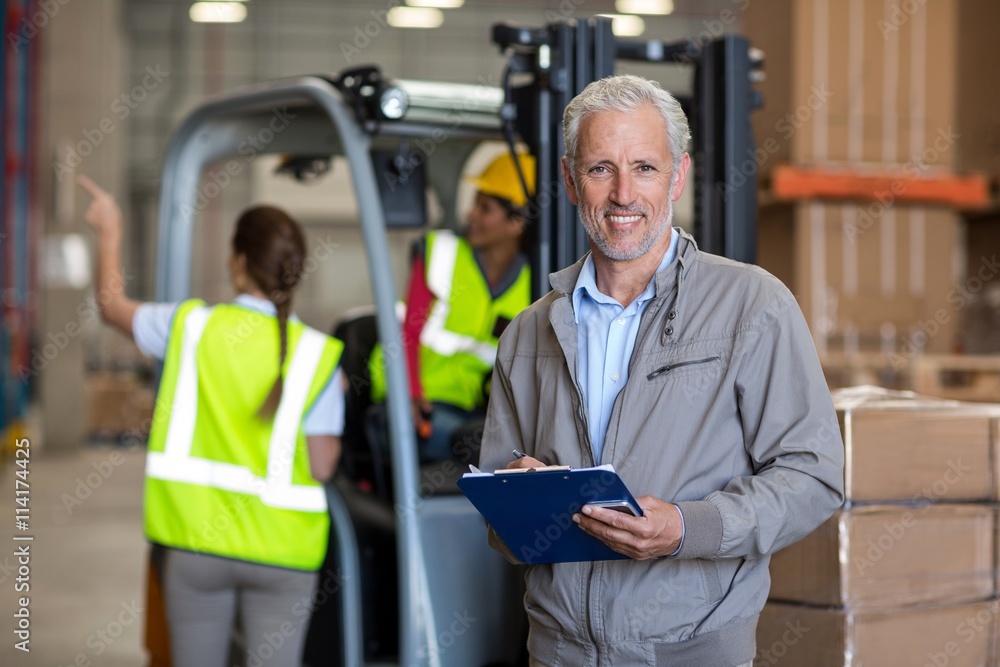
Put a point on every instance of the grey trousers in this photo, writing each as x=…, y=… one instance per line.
x=203, y=594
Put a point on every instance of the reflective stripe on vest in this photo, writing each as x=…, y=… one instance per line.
x=440, y=275
x=276, y=490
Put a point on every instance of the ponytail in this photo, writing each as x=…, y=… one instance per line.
x=274, y=247
x=282, y=306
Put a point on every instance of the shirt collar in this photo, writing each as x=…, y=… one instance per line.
x=255, y=303
x=586, y=283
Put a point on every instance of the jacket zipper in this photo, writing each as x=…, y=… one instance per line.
x=666, y=369
x=589, y=621
x=583, y=428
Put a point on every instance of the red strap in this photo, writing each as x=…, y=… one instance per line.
x=418, y=307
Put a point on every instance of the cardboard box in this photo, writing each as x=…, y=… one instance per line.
x=953, y=636
x=878, y=274
x=871, y=82
x=117, y=403
x=886, y=556
x=901, y=448
x=886, y=86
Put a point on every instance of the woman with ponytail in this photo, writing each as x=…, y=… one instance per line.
x=247, y=423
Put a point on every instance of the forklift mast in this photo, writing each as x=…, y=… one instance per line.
x=560, y=59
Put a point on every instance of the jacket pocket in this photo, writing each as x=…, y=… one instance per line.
x=677, y=367
x=711, y=580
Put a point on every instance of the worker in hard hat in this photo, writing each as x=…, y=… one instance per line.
x=463, y=291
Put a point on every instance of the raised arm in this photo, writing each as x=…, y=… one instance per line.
x=104, y=216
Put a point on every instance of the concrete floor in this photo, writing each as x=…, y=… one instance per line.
x=87, y=559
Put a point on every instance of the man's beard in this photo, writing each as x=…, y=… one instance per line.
x=605, y=242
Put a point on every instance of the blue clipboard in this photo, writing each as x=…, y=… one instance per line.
x=532, y=511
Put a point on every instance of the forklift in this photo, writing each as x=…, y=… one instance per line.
x=409, y=578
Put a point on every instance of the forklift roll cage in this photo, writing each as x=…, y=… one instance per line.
x=323, y=124
x=444, y=566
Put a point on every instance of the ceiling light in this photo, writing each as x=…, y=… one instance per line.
x=415, y=17
x=218, y=12
x=626, y=25
x=440, y=4
x=645, y=6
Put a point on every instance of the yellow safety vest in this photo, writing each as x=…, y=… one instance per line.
x=219, y=479
x=458, y=344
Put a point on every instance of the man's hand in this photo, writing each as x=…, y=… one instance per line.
x=655, y=534
x=526, y=462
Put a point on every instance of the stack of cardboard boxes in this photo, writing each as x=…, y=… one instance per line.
x=903, y=574
x=865, y=87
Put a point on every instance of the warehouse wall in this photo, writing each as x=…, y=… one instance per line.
x=80, y=134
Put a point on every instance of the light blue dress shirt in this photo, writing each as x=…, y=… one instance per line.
x=606, y=333
x=151, y=329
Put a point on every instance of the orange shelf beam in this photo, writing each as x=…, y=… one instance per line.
x=792, y=182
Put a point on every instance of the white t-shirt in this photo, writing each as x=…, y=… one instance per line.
x=151, y=329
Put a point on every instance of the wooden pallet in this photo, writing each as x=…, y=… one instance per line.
x=958, y=377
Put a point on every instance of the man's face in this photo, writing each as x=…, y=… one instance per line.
x=489, y=224
x=623, y=182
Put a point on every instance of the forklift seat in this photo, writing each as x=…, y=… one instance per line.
x=362, y=462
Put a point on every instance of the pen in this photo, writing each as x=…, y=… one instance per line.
x=519, y=455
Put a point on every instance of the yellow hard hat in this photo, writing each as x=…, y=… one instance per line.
x=500, y=178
